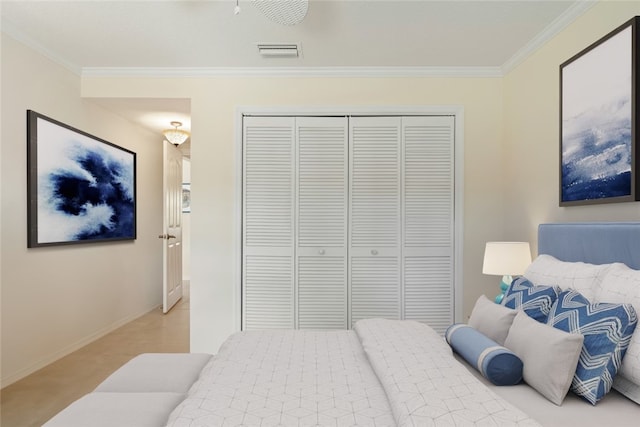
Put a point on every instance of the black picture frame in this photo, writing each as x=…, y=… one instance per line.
x=80, y=188
x=599, y=161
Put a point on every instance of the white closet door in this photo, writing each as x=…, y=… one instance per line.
x=374, y=219
x=268, y=223
x=322, y=222
x=428, y=185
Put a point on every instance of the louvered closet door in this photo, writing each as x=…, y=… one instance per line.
x=322, y=222
x=374, y=220
x=428, y=219
x=268, y=223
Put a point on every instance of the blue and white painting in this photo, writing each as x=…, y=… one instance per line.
x=85, y=187
x=596, y=122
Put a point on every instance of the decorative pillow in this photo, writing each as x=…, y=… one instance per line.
x=580, y=276
x=491, y=319
x=549, y=355
x=536, y=301
x=621, y=285
x=607, y=330
x=496, y=363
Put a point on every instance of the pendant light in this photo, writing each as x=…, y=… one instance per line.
x=175, y=136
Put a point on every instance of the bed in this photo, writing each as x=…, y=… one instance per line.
x=381, y=373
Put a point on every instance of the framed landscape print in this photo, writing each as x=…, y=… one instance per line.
x=599, y=121
x=80, y=188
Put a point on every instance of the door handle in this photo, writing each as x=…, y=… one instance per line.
x=166, y=236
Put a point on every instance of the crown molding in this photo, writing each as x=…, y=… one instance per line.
x=571, y=14
x=560, y=23
x=373, y=72
x=14, y=32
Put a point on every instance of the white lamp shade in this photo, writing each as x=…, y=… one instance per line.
x=506, y=258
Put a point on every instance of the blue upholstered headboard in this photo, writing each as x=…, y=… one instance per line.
x=592, y=242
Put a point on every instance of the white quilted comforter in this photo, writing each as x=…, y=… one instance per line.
x=383, y=373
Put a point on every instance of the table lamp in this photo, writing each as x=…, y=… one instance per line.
x=506, y=259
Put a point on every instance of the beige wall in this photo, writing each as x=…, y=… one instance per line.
x=214, y=103
x=510, y=175
x=55, y=299
x=531, y=129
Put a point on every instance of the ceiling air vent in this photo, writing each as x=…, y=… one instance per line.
x=282, y=50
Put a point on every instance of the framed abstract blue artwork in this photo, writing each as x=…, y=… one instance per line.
x=80, y=188
x=599, y=121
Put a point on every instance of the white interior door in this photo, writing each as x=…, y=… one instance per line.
x=346, y=219
x=374, y=230
x=268, y=223
x=428, y=213
x=321, y=212
x=172, y=226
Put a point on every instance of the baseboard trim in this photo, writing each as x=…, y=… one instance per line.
x=20, y=374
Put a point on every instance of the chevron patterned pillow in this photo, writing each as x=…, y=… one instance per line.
x=607, y=330
x=622, y=285
x=535, y=301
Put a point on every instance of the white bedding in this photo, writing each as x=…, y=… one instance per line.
x=384, y=373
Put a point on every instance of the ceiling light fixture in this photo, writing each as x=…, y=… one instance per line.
x=176, y=136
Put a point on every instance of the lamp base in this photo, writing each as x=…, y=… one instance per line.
x=504, y=285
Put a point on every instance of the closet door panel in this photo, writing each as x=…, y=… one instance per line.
x=375, y=287
x=321, y=250
x=374, y=220
x=268, y=292
x=268, y=223
x=428, y=185
x=427, y=290
x=322, y=181
x=322, y=292
x=375, y=181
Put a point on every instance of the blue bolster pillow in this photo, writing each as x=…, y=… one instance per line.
x=496, y=363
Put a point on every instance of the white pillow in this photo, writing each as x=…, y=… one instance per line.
x=580, y=276
x=621, y=284
x=491, y=319
x=549, y=355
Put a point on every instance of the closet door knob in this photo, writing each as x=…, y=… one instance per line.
x=374, y=252
x=321, y=251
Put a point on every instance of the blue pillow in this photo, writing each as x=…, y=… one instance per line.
x=607, y=330
x=535, y=301
x=497, y=364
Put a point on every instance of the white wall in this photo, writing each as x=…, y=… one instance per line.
x=214, y=102
x=55, y=299
x=531, y=126
x=186, y=226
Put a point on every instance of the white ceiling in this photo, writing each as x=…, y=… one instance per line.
x=112, y=36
